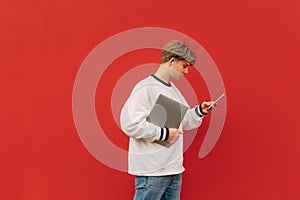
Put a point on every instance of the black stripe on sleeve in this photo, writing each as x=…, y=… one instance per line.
x=198, y=111
x=161, y=134
x=167, y=134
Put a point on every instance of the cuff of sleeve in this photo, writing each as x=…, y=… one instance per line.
x=164, y=134
x=199, y=111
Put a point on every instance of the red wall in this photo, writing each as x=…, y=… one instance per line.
x=254, y=44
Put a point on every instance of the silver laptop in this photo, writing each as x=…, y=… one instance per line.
x=167, y=113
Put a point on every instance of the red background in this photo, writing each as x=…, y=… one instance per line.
x=254, y=44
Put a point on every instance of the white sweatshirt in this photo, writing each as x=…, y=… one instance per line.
x=146, y=157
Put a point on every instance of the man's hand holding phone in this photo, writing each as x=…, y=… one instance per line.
x=208, y=106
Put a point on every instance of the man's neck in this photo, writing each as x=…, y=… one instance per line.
x=163, y=73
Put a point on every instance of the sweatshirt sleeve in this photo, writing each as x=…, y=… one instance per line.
x=192, y=119
x=134, y=115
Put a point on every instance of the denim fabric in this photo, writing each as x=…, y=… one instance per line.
x=158, y=187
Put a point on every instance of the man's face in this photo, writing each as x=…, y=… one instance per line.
x=179, y=69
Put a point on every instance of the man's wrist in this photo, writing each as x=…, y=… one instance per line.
x=199, y=111
x=164, y=134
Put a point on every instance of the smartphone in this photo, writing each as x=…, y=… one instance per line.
x=216, y=101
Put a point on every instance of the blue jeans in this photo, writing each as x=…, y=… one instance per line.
x=158, y=187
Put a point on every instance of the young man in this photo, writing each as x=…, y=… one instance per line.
x=158, y=168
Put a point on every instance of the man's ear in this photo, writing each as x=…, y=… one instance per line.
x=171, y=62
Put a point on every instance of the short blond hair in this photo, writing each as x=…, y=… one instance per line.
x=178, y=50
